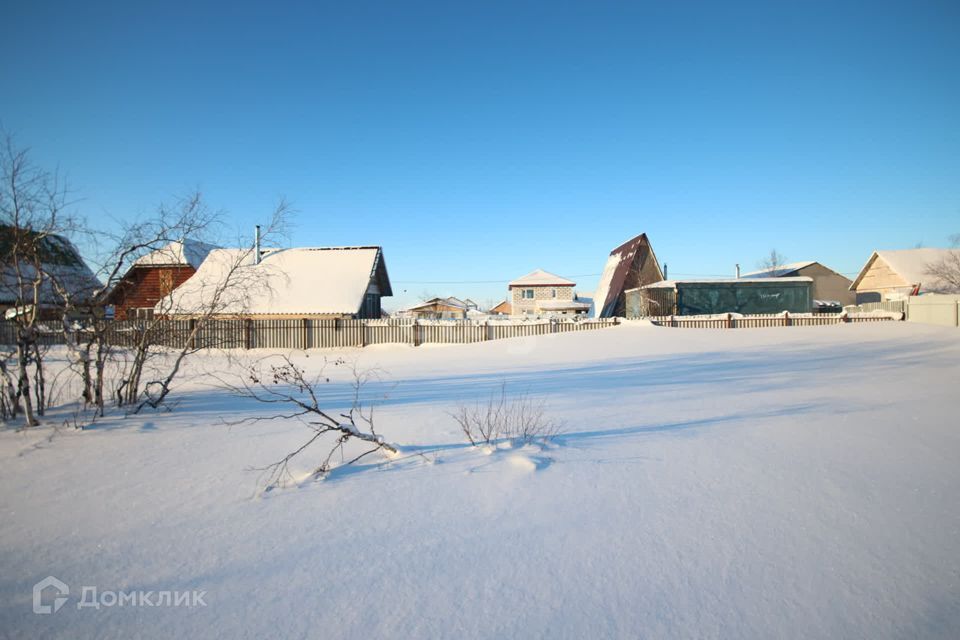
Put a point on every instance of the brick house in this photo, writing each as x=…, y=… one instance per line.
x=154, y=276
x=543, y=293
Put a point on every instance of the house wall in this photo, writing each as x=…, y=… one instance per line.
x=540, y=293
x=144, y=288
x=829, y=285
x=880, y=283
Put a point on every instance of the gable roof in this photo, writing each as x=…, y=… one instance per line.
x=672, y=284
x=319, y=280
x=449, y=302
x=615, y=272
x=909, y=264
x=180, y=252
x=60, y=261
x=779, y=270
x=540, y=277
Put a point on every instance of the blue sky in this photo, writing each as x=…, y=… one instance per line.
x=477, y=141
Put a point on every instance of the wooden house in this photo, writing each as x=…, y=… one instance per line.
x=894, y=275
x=631, y=265
x=438, y=309
x=154, y=276
x=504, y=308
x=313, y=282
x=62, y=273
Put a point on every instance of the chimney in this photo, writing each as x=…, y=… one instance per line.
x=738, y=269
x=665, y=277
x=256, y=245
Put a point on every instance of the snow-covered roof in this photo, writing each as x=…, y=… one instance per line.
x=321, y=280
x=449, y=302
x=563, y=304
x=779, y=270
x=541, y=278
x=909, y=264
x=671, y=284
x=181, y=252
x=63, y=269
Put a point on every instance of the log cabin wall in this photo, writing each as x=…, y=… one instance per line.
x=145, y=286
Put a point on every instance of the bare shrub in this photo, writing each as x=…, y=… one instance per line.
x=519, y=419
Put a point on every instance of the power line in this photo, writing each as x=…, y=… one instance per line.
x=578, y=275
x=502, y=280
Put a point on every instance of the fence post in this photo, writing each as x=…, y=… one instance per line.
x=416, y=335
x=363, y=333
x=247, y=326
x=729, y=320
x=786, y=318
x=193, y=338
x=305, y=332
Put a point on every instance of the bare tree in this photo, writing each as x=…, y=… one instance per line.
x=276, y=380
x=94, y=339
x=946, y=270
x=32, y=218
x=203, y=302
x=147, y=353
x=774, y=261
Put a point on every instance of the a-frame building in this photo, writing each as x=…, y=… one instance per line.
x=633, y=264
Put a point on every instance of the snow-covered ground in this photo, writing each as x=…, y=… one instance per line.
x=756, y=483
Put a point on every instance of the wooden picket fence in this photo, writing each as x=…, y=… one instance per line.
x=733, y=321
x=309, y=333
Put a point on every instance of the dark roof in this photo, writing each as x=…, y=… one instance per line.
x=59, y=260
x=614, y=279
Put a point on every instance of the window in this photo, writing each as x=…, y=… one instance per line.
x=528, y=294
x=166, y=281
x=553, y=293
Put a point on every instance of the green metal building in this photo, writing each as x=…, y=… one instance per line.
x=707, y=297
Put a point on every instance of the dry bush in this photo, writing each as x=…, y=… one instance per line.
x=520, y=419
